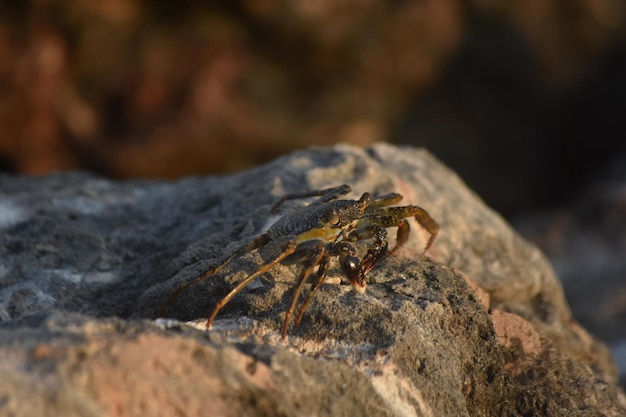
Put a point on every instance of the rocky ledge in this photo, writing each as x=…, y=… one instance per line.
x=477, y=327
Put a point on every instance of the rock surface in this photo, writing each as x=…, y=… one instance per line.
x=478, y=327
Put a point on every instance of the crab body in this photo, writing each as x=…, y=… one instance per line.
x=328, y=222
x=308, y=223
x=312, y=235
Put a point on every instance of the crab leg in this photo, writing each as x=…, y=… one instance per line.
x=257, y=243
x=318, y=257
x=383, y=201
x=321, y=274
x=325, y=195
x=396, y=217
x=350, y=265
x=428, y=223
x=280, y=249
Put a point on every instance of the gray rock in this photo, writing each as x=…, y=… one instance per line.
x=478, y=327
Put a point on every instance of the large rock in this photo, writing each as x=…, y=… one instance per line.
x=479, y=326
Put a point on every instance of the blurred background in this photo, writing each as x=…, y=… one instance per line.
x=526, y=100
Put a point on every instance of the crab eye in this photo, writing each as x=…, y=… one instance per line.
x=332, y=217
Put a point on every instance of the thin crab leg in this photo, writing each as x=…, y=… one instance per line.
x=383, y=201
x=349, y=263
x=395, y=217
x=318, y=257
x=284, y=247
x=321, y=275
x=325, y=195
x=260, y=241
x=428, y=223
x=368, y=228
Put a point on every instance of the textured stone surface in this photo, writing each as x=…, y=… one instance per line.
x=478, y=327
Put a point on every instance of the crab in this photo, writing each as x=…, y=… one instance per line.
x=310, y=236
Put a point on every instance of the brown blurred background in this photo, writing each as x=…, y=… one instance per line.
x=525, y=99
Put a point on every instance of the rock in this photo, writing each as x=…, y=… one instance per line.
x=477, y=327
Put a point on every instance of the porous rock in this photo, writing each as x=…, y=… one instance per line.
x=477, y=327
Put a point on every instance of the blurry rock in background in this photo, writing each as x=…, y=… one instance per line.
x=525, y=100
x=152, y=89
x=520, y=139
x=132, y=88
x=586, y=243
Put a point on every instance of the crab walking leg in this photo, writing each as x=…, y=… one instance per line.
x=350, y=265
x=321, y=275
x=325, y=195
x=318, y=255
x=423, y=218
x=257, y=243
x=383, y=201
x=396, y=217
x=281, y=248
x=402, y=235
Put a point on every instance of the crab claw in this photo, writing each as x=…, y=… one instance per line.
x=352, y=268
